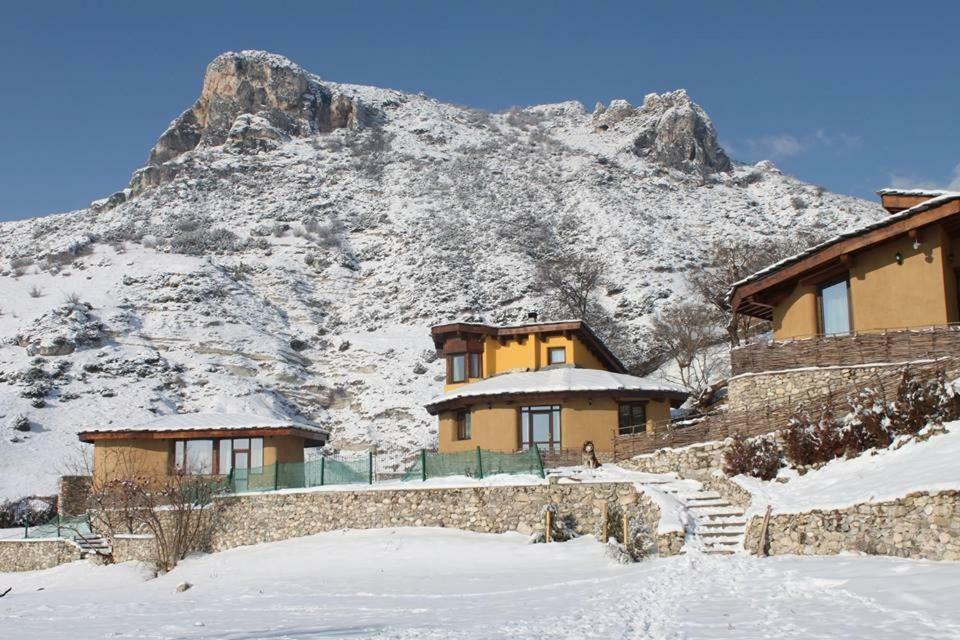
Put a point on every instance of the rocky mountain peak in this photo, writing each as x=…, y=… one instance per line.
x=668, y=128
x=251, y=101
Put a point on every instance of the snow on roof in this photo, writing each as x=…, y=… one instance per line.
x=204, y=421
x=554, y=380
x=943, y=198
x=933, y=193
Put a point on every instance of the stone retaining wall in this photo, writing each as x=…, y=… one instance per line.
x=919, y=525
x=753, y=391
x=128, y=547
x=37, y=553
x=696, y=461
x=74, y=495
x=253, y=519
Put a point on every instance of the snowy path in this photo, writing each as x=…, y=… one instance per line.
x=436, y=583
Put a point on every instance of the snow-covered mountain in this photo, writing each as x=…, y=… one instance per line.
x=290, y=241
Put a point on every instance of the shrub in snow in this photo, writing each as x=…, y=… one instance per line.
x=199, y=241
x=20, y=422
x=35, y=291
x=760, y=458
x=563, y=527
x=875, y=419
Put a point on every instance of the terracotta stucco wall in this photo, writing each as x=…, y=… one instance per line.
x=887, y=295
x=496, y=428
x=529, y=354
x=883, y=294
x=124, y=458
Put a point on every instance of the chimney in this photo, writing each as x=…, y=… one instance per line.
x=532, y=316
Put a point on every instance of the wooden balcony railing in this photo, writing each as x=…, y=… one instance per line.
x=869, y=347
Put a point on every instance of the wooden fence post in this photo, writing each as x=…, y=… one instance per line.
x=549, y=525
x=605, y=526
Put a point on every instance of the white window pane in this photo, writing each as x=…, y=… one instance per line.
x=200, y=456
x=256, y=452
x=241, y=443
x=558, y=356
x=541, y=427
x=836, y=309
x=459, y=368
x=178, y=456
x=226, y=456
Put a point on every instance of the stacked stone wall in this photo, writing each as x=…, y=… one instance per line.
x=919, y=525
x=34, y=554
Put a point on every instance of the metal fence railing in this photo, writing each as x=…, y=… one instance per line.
x=59, y=527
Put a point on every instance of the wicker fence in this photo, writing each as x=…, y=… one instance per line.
x=893, y=346
x=723, y=424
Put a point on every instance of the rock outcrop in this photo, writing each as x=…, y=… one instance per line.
x=251, y=101
x=668, y=128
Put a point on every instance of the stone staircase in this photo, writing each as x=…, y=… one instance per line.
x=718, y=527
x=92, y=545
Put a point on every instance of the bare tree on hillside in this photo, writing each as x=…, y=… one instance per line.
x=684, y=333
x=573, y=281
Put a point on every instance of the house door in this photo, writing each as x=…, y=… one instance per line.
x=540, y=427
x=241, y=470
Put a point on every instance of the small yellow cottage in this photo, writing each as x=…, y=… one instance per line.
x=901, y=272
x=198, y=444
x=553, y=385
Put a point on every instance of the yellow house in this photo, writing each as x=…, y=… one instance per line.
x=198, y=444
x=898, y=273
x=553, y=385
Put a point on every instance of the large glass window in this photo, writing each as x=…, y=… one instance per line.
x=204, y=457
x=835, y=307
x=632, y=417
x=464, y=426
x=457, y=367
x=540, y=427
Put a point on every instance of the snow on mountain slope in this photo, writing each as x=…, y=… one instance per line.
x=290, y=241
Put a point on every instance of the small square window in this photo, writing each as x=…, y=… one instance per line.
x=464, y=427
x=557, y=355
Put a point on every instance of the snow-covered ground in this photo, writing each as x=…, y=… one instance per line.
x=884, y=475
x=438, y=583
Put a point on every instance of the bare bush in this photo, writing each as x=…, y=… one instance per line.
x=759, y=457
x=72, y=298
x=35, y=292
x=177, y=510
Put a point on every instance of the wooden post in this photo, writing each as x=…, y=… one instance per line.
x=626, y=531
x=604, y=528
x=549, y=528
x=762, y=551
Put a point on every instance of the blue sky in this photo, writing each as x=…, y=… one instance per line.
x=853, y=96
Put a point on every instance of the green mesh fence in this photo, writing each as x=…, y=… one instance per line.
x=298, y=475
x=59, y=527
x=476, y=463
